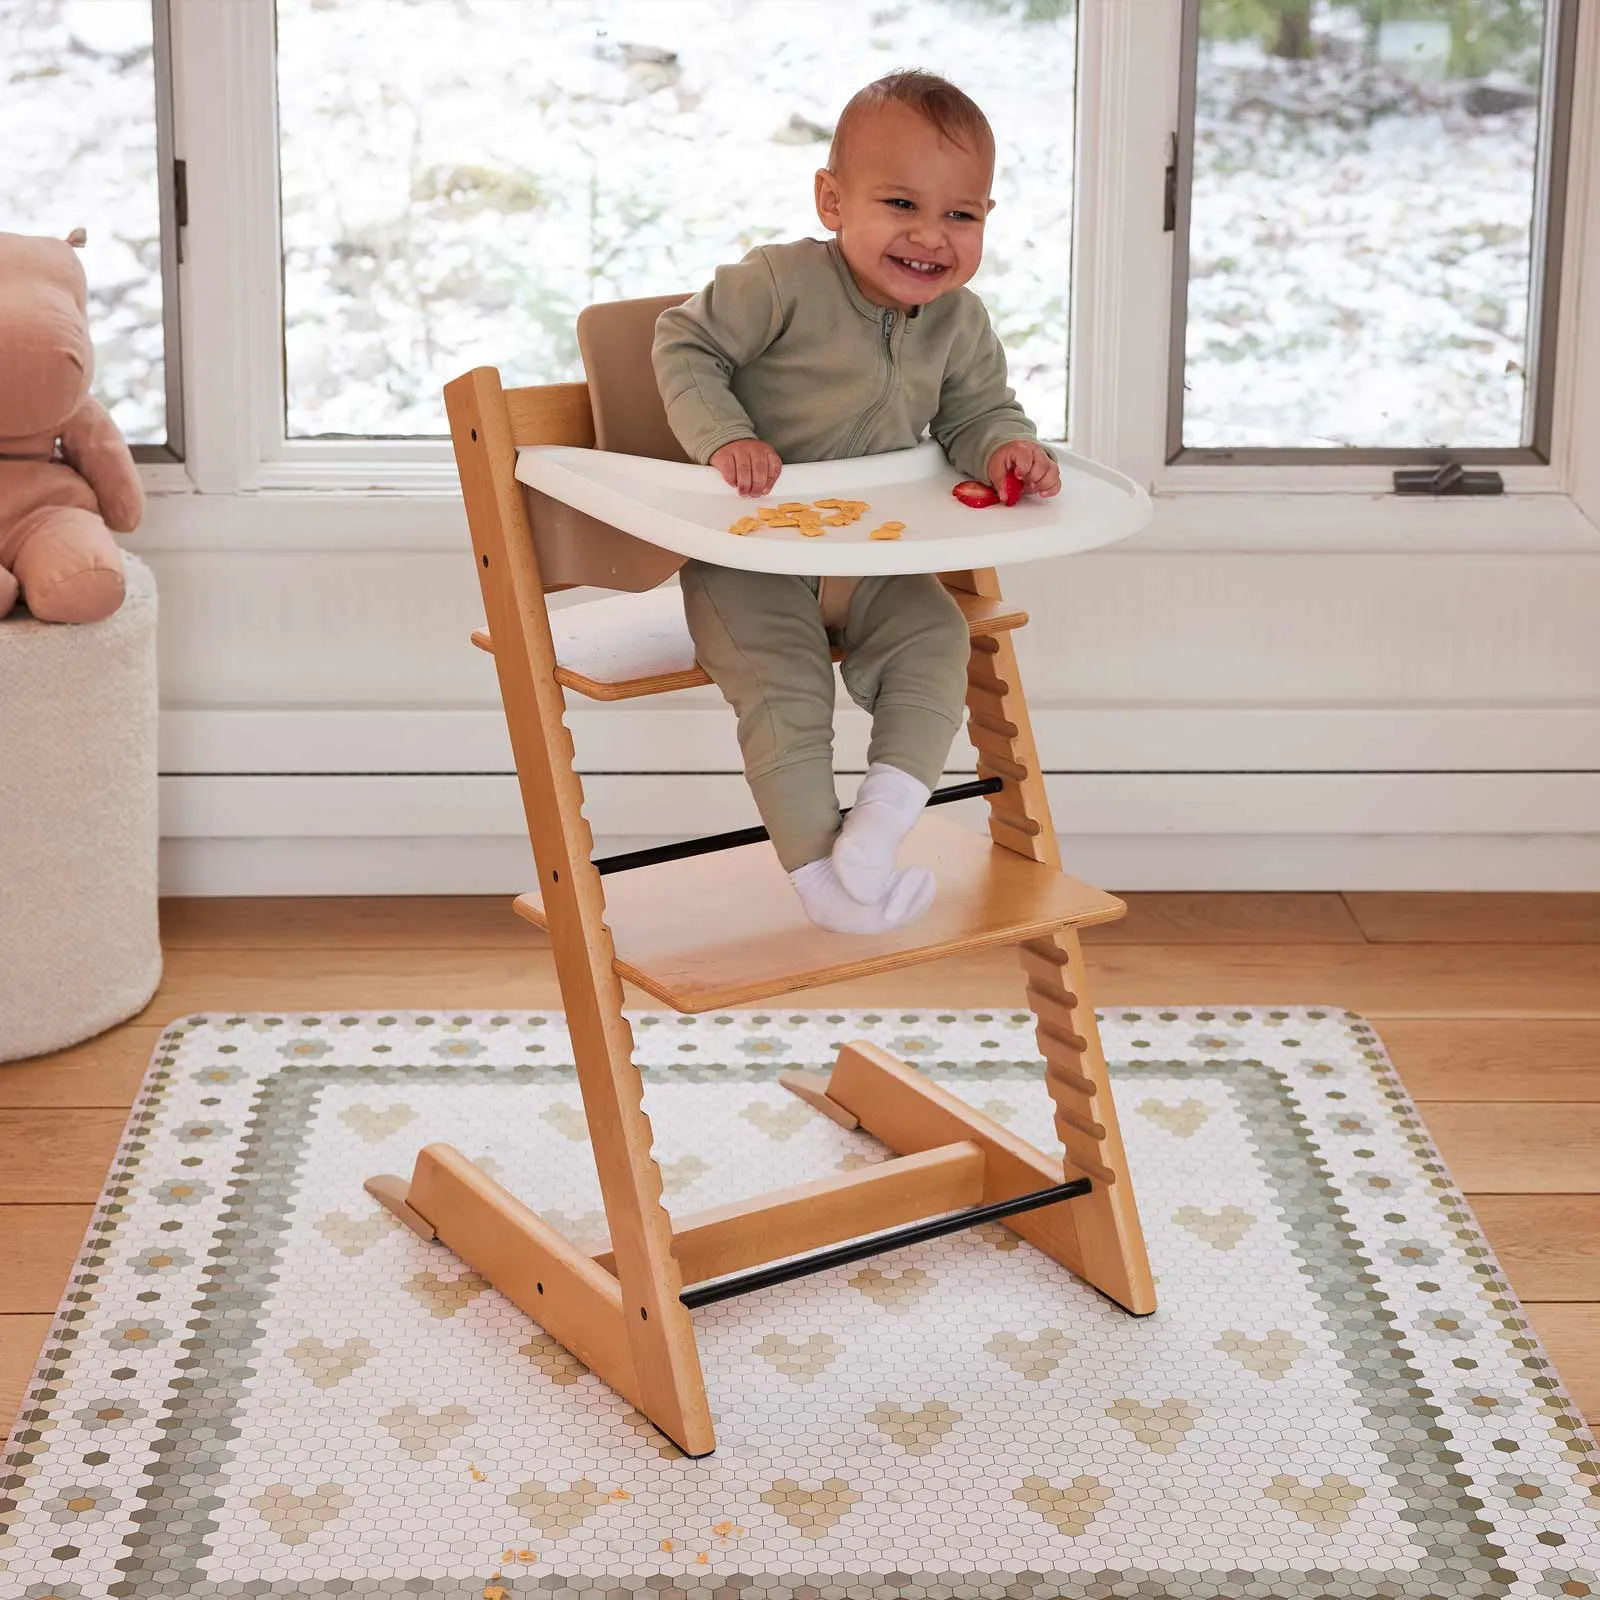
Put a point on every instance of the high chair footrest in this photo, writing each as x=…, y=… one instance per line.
x=723, y=930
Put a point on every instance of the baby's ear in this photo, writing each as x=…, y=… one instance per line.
x=78, y=238
x=827, y=195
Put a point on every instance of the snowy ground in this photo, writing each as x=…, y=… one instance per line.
x=460, y=177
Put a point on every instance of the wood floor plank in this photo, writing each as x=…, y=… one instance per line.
x=1477, y=918
x=1571, y=1333
x=336, y=922
x=1173, y=918
x=1494, y=1059
x=106, y=1071
x=21, y=1338
x=1403, y=979
x=38, y=1245
x=1517, y=1149
x=53, y=1156
x=1549, y=1244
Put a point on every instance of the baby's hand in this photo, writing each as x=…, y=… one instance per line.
x=748, y=465
x=1031, y=462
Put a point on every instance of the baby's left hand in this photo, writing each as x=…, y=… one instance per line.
x=1031, y=462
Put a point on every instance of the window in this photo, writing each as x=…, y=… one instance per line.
x=79, y=114
x=459, y=178
x=1368, y=208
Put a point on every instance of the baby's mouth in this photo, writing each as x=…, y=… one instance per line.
x=926, y=270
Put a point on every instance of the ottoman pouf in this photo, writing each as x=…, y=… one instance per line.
x=80, y=946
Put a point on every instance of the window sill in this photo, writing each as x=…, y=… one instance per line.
x=426, y=514
x=1346, y=522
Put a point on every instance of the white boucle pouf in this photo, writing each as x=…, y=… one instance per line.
x=80, y=948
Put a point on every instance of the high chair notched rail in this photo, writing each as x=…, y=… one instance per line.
x=713, y=923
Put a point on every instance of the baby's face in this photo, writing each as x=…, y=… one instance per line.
x=908, y=207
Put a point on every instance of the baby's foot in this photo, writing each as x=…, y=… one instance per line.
x=887, y=806
x=826, y=903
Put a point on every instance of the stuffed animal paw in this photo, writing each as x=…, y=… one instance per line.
x=67, y=479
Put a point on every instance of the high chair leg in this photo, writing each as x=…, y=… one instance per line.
x=1114, y=1258
x=656, y=1325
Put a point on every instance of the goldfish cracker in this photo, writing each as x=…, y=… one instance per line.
x=744, y=525
x=887, y=530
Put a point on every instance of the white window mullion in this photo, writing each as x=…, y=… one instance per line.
x=1576, y=420
x=226, y=133
x=1127, y=110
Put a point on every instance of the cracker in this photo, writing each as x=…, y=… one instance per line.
x=887, y=530
x=744, y=525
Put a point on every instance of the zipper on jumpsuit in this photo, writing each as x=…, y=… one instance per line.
x=854, y=442
x=834, y=594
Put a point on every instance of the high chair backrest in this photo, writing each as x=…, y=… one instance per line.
x=619, y=408
x=614, y=341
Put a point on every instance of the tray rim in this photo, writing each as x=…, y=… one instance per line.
x=547, y=469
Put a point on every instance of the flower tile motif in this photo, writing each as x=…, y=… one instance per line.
x=262, y=1385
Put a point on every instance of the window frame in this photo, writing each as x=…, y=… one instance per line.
x=1130, y=60
x=1551, y=163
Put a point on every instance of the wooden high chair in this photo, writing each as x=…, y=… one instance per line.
x=713, y=923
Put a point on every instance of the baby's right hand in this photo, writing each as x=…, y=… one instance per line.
x=748, y=465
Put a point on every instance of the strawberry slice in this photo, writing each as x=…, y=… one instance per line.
x=1012, y=488
x=972, y=493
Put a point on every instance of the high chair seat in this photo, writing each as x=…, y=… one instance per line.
x=637, y=644
x=727, y=929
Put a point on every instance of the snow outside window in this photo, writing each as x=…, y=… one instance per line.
x=461, y=177
x=78, y=128
x=1364, y=245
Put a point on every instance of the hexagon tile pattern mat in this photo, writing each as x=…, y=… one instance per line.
x=262, y=1385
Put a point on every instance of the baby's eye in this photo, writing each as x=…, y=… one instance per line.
x=900, y=203
x=963, y=216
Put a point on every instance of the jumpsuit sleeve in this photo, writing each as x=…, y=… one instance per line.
x=977, y=410
x=699, y=346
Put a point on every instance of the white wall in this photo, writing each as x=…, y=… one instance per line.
x=1215, y=720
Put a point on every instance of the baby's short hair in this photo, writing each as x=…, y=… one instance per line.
x=954, y=114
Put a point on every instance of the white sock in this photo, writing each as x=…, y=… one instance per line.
x=887, y=806
x=908, y=895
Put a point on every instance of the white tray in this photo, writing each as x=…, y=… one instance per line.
x=687, y=509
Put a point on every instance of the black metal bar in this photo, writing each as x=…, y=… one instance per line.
x=840, y=1255
x=731, y=841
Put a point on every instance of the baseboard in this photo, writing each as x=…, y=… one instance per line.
x=463, y=834
x=686, y=804
x=503, y=865
x=695, y=733
x=420, y=800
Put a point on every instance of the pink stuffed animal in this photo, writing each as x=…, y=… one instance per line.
x=66, y=476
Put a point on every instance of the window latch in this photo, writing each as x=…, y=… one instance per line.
x=1449, y=477
x=180, y=202
x=1169, y=193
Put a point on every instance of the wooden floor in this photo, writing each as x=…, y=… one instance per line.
x=1489, y=1005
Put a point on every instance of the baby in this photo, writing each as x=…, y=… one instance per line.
x=817, y=351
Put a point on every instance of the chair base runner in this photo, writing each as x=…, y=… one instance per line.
x=955, y=1168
